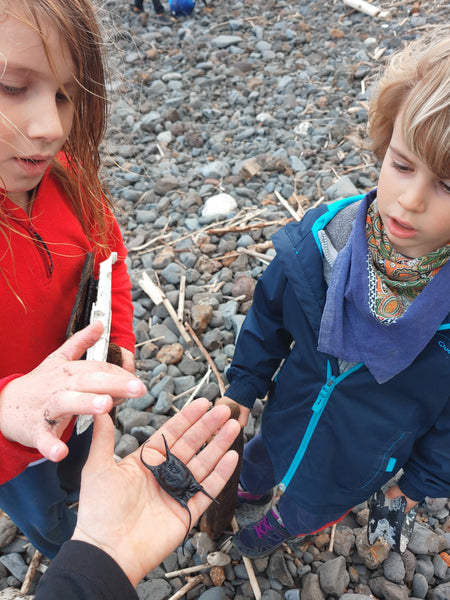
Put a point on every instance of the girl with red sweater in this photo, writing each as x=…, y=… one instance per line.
x=53, y=212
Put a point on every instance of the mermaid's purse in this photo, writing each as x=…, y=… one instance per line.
x=388, y=520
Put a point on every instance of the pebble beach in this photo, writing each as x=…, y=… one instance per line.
x=225, y=125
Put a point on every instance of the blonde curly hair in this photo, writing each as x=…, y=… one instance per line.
x=416, y=81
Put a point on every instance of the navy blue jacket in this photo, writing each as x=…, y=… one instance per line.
x=335, y=438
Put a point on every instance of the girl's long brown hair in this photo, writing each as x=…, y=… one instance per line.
x=76, y=23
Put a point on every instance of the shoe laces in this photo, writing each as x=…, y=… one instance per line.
x=263, y=527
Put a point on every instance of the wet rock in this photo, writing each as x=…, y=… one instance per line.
x=372, y=556
x=277, y=569
x=333, y=576
x=425, y=541
x=201, y=315
x=344, y=541
x=394, y=568
x=170, y=354
x=8, y=530
x=311, y=588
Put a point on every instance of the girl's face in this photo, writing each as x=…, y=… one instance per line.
x=35, y=114
x=413, y=202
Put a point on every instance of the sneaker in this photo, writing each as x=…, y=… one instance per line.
x=262, y=538
x=245, y=497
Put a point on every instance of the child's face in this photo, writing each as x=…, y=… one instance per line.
x=35, y=115
x=414, y=203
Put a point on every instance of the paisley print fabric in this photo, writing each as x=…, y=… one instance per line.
x=395, y=280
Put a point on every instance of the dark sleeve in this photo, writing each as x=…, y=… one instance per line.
x=427, y=472
x=81, y=571
x=263, y=340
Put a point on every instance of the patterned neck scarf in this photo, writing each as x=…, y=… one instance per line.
x=395, y=280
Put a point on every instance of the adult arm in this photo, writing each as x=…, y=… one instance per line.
x=81, y=571
x=124, y=513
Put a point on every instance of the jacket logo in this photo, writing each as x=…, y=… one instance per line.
x=444, y=343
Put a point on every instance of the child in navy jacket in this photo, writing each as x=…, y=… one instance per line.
x=349, y=332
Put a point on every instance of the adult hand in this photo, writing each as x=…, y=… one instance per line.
x=243, y=410
x=122, y=508
x=36, y=408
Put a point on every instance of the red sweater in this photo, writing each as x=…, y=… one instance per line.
x=45, y=276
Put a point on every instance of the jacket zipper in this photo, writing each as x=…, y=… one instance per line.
x=42, y=248
x=317, y=409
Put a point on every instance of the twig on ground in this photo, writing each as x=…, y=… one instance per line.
x=248, y=566
x=208, y=358
x=32, y=567
x=192, y=582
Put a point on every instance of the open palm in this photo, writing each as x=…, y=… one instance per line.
x=125, y=512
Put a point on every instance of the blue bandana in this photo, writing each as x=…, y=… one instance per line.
x=350, y=331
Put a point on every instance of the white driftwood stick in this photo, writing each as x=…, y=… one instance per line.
x=180, y=311
x=366, y=8
x=199, y=386
x=286, y=205
x=332, y=536
x=188, y=586
x=32, y=568
x=259, y=255
x=187, y=570
x=158, y=297
x=248, y=566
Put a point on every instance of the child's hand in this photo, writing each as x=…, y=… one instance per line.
x=244, y=411
x=395, y=492
x=36, y=408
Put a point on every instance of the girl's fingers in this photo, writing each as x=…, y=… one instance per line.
x=76, y=346
x=48, y=444
x=80, y=403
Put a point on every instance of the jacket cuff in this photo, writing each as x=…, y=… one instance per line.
x=409, y=489
x=83, y=570
x=242, y=393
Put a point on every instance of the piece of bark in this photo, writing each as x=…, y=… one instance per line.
x=218, y=517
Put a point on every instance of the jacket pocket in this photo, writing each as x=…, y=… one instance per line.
x=389, y=460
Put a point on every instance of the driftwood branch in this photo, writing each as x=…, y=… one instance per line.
x=188, y=586
x=207, y=357
x=262, y=257
x=248, y=567
x=366, y=8
x=181, y=297
x=248, y=227
x=333, y=533
x=287, y=206
x=158, y=297
x=32, y=568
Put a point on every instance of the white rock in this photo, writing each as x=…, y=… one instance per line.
x=219, y=206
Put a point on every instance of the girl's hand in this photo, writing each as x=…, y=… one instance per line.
x=244, y=411
x=36, y=408
x=122, y=508
x=395, y=492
